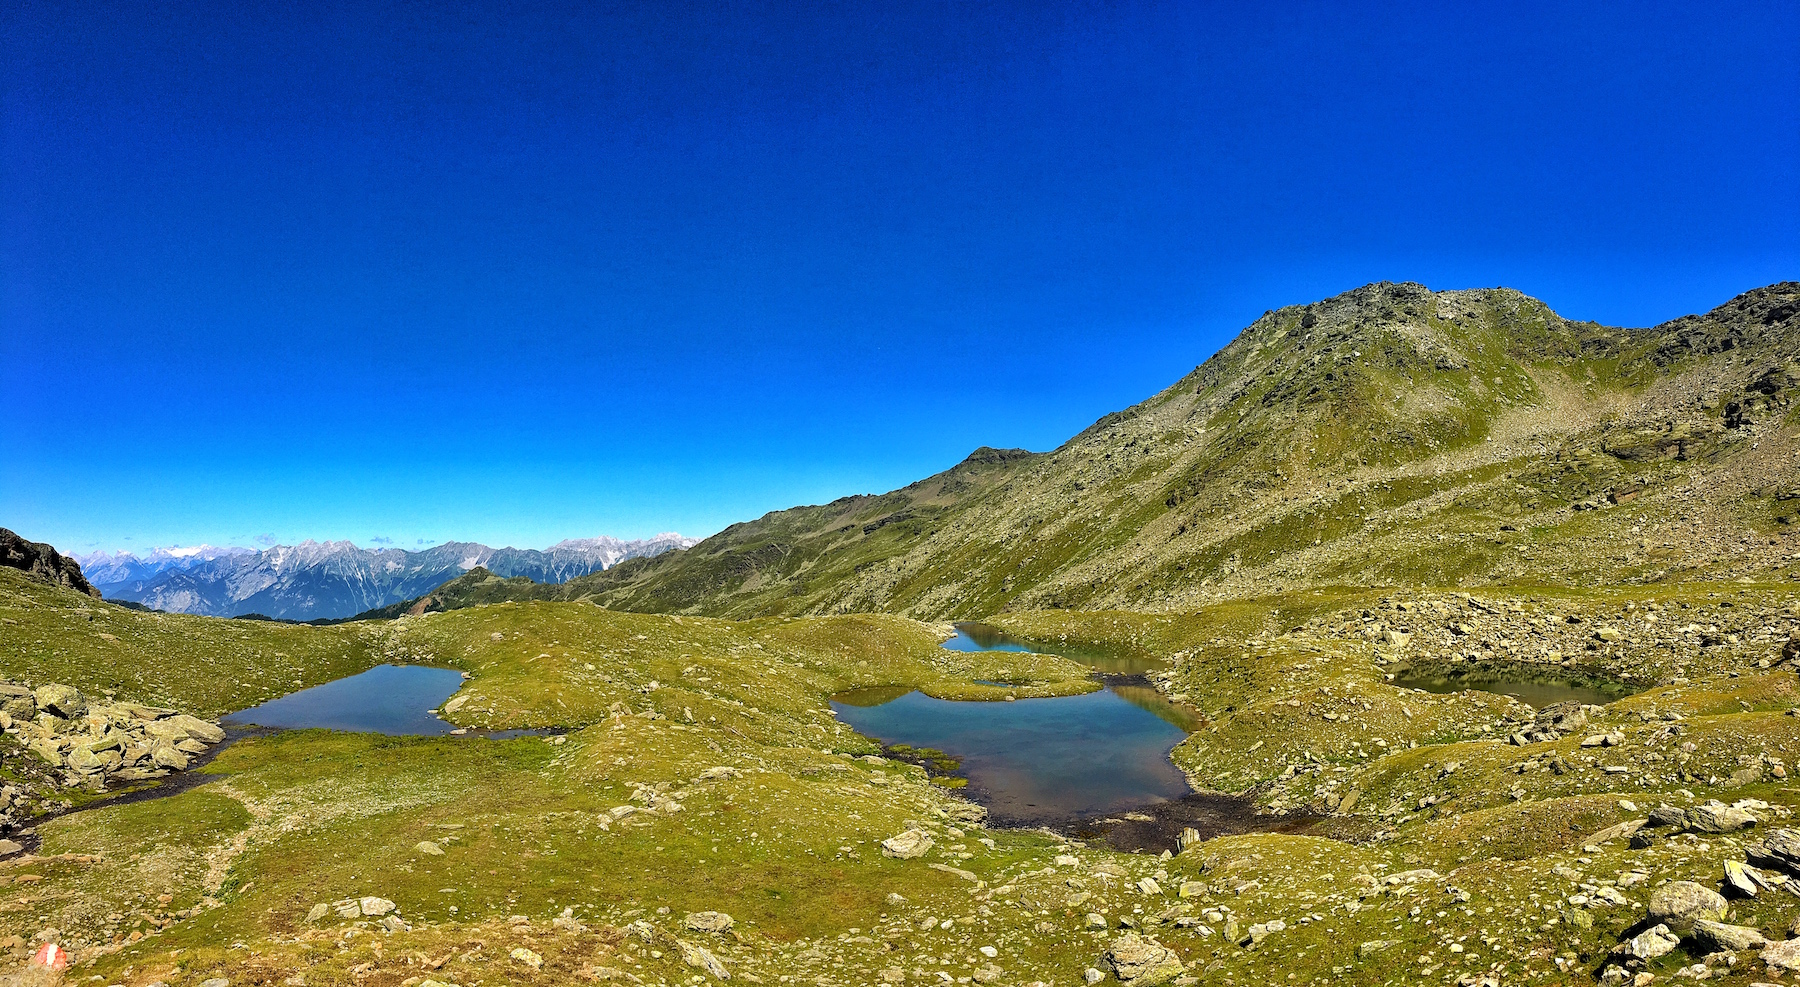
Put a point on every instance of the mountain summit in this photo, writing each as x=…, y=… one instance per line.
x=314, y=580
x=1389, y=435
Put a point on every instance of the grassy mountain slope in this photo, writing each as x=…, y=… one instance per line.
x=1390, y=435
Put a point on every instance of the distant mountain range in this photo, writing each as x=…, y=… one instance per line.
x=322, y=580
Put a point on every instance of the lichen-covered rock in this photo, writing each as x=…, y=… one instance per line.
x=908, y=845
x=1649, y=944
x=1732, y=938
x=1140, y=962
x=702, y=958
x=1783, y=956
x=62, y=701
x=715, y=922
x=1717, y=817
x=1679, y=904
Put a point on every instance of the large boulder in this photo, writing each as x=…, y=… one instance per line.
x=1717, y=817
x=62, y=701
x=198, y=728
x=1679, y=904
x=1731, y=938
x=1140, y=962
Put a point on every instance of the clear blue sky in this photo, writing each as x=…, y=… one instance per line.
x=512, y=274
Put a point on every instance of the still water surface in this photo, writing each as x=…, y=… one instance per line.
x=1041, y=761
x=1539, y=692
x=390, y=699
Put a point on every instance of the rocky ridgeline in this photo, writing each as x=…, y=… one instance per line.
x=94, y=745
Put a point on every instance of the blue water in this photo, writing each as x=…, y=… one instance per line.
x=1037, y=761
x=980, y=637
x=390, y=699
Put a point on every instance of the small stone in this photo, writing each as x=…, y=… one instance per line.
x=715, y=922
x=1092, y=976
x=701, y=958
x=1649, y=944
x=988, y=951
x=429, y=848
x=522, y=955
x=374, y=907
x=9, y=848
x=987, y=973
x=908, y=845
x=318, y=912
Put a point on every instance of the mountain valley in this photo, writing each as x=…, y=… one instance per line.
x=1356, y=499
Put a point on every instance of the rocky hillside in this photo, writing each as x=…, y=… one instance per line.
x=1392, y=435
x=42, y=562
x=325, y=580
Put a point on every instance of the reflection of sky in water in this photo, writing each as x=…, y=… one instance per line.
x=390, y=699
x=1040, y=760
x=981, y=637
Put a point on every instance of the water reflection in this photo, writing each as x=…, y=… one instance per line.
x=1037, y=761
x=392, y=699
x=976, y=636
x=1537, y=690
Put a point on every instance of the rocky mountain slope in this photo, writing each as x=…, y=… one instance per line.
x=1391, y=435
x=42, y=562
x=314, y=580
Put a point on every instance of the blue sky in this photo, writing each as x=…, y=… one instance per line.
x=513, y=275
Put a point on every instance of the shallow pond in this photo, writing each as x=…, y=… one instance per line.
x=1041, y=761
x=1539, y=691
x=975, y=636
x=1038, y=761
x=390, y=699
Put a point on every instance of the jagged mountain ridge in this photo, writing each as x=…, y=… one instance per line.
x=324, y=580
x=127, y=567
x=1388, y=435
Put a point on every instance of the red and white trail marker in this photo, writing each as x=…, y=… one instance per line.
x=51, y=957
